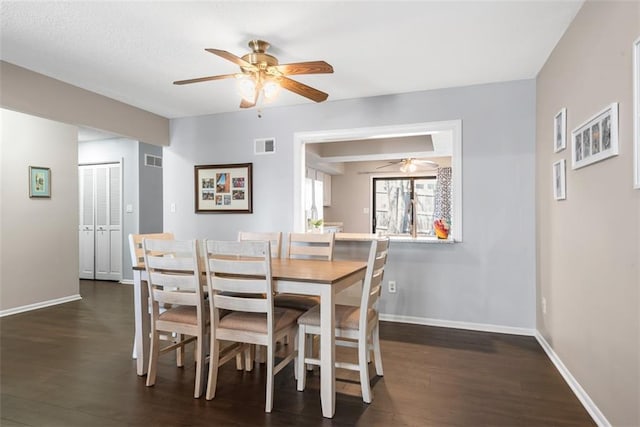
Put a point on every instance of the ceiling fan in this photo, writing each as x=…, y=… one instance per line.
x=410, y=164
x=260, y=73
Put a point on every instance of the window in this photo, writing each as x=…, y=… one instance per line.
x=401, y=202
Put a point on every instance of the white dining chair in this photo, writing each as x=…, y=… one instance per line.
x=309, y=246
x=240, y=283
x=355, y=326
x=174, y=280
x=273, y=237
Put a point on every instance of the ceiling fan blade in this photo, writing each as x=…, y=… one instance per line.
x=204, y=79
x=389, y=164
x=231, y=57
x=303, y=90
x=248, y=104
x=312, y=67
x=428, y=162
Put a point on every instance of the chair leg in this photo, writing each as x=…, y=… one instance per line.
x=249, y=356
x=377, y=354
x=312, y=348
x=200, y=366
x=270, y=365
x=364, y=370
x=179, y=351
x=214, y=353
x=302, y=373
x=154, y=353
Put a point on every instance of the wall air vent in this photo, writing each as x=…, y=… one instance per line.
x=265, y=146
x=151, y=160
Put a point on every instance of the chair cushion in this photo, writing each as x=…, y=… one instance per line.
x=183, y=314
x=347, y=317
x=296, y=302
x=257, y=322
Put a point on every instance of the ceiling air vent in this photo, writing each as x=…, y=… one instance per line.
x=265, y=146
x=151, y=160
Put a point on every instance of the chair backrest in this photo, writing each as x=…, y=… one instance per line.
x=311, y=245
x=274, y=238
x=174, y=272
x=239, y=277
x=135, y=246
x=372, y=286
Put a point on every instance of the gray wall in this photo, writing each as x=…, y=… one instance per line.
x=589, y=244
x=487, y=279
x=39, y=237
x=150, y=191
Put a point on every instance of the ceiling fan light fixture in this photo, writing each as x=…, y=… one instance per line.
x=408, y=166
x=271, y=89
x=247, y=88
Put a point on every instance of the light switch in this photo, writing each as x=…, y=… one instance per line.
x=173, y=208
x=365, y=211
x=129, y=208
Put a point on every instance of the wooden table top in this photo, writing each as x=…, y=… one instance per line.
x=306, y=270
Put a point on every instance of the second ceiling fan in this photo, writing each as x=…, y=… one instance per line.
x=260, y=73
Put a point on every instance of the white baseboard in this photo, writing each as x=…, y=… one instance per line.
x=39, y=305
x=484, y=327
x=577, y=389
x=127, y=281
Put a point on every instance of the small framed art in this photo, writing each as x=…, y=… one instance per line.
x=559, y=180
x=560, y=131
x=596, y=139
x=224, y=188
x=39, y=182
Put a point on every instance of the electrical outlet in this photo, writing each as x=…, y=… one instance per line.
x=392, y=286
x=544, y=305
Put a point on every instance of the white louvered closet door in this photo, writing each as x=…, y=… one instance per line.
x=107, y=217
x=87, y=222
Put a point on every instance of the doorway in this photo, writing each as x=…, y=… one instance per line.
x=100, y=221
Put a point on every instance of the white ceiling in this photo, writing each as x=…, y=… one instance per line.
x=133, y=51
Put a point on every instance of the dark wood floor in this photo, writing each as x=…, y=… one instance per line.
x=70, y=365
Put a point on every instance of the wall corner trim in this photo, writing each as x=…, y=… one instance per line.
x=575, y=386
x=39, y=305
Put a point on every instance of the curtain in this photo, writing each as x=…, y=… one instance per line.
x=442, y=208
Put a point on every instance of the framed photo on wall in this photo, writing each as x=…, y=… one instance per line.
x=636, y=114
x=560, y=131
x=559, y=180
x=596, y=139
x=224, y=188
x=39, y=182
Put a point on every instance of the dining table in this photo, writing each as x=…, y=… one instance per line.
x=293, y=276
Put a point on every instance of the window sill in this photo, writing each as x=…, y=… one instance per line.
x=363, y=237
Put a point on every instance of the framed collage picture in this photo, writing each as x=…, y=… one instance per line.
x=224, y=188
x=596, y=139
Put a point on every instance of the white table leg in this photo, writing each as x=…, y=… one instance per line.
x=327, y=352
x=142, y=321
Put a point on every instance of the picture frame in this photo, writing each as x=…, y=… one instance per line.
x=224, y=188
x=636, y=114
x=39, y=182
x=559, y=180
x=560, y=131
x=596, y=139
